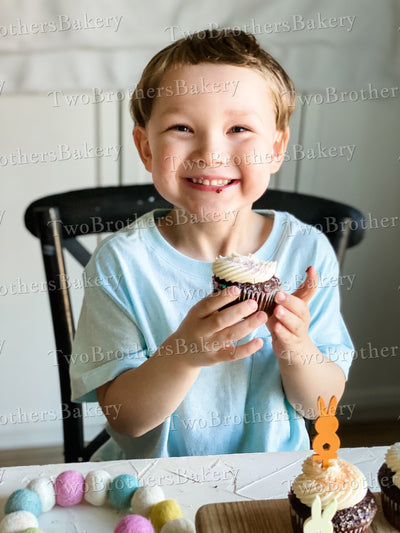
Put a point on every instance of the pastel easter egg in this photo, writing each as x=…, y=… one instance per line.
x=179, y=525
x=163, y=512
x=144, y=498
x=97, y=483
x=121, y=490
x=134, y=523
x=23, y=500
x=44, y=488
x=18, y=521
x=69, y=488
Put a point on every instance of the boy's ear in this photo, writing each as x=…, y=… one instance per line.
x=143, y=146
x=279, y=148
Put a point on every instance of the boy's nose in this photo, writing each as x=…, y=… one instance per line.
x=209, y=159
x=209, y=154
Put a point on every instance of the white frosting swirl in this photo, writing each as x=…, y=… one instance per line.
x=341, y=479
x=392, y=459
x=243, y=268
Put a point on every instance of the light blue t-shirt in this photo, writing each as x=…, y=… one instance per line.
x=138, y=289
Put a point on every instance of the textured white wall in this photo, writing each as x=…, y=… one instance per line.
x=326, y=43
x=360, y=54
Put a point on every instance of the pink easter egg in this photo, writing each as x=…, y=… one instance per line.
x=134, y=523
x=69, y=488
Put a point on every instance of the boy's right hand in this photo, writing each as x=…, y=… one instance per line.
x=208, y=336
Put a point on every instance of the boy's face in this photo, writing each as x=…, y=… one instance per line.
x=211, y=138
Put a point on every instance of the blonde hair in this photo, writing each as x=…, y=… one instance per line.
x=215, y=46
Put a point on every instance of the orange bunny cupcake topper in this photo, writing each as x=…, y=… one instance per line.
x=326, y=442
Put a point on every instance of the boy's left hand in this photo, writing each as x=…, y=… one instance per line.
x=290, y=320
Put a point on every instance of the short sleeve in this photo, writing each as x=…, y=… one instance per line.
x=107, y=341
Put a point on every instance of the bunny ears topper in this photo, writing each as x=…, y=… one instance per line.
x=326, y=442
x=320, y=523
x=325, y=445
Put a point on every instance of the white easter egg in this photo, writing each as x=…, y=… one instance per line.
x=18, y=521
x=44, y=488
x=96, y=487
x=144, y=498
x=179, y=525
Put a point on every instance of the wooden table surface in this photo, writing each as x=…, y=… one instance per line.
x=259, y=516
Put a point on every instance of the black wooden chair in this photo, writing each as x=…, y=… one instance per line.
x=57, y=221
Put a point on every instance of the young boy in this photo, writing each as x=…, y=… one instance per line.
x=174, y=374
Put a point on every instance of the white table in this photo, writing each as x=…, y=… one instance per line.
x=192, y=481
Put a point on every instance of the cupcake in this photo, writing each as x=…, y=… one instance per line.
x=254, y=277
x=389, y=481
x=342, y=480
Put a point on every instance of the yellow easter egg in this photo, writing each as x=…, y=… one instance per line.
x=163, y=512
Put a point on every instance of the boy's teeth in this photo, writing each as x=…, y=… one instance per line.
x=210, y=182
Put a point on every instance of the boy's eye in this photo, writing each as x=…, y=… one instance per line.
x=238, y=129
x=179, y=127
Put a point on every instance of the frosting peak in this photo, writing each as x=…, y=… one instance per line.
x=341, y=479
x=392, y=459
x=243, y=268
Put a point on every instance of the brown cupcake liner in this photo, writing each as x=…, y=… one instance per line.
x=297, y=521
x=391, y=510
x=342, y=520
x=298, y=524
x=264, y=294
x=265, y=301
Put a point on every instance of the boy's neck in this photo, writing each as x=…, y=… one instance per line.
x=242, y=232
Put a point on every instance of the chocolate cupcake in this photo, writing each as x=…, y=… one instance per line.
x=389, y=481
x=342, y=480
x=255, y=279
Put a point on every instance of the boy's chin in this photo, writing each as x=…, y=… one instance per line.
x=204, y=214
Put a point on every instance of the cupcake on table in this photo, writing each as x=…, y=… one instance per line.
x=330, y=487
x=389, y=481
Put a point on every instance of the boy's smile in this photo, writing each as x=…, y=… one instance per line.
x=210, y=183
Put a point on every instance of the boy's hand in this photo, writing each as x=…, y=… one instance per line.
x=290, y=320
x=207, y=336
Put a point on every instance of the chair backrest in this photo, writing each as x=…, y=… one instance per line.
x=341, y=223
x=57, y=221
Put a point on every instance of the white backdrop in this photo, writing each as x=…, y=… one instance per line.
x=70, y=45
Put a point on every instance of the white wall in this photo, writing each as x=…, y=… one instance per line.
x=34, y=65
